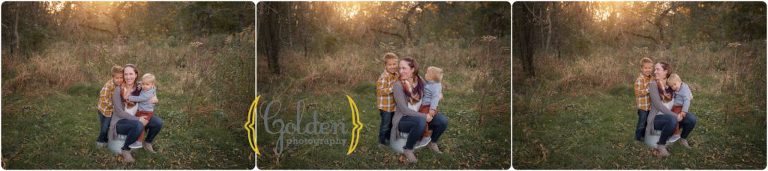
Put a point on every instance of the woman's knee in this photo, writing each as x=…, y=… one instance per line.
x=665, y=120
x=439, y=120
x=155, y=122
x=690, y=118
x=137, y=125
x=420, y=122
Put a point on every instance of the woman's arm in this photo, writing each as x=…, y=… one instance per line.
x=144, y=96
x=401, y=105
x=117, y=106
x=656, y=100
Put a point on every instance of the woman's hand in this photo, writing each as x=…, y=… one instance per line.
x=143, y=121
x=123, y=92
x=429, y=118
x=680, y=116
x=432, y=113
x=407, y=85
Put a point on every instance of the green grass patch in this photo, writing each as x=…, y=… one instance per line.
x=59, y=132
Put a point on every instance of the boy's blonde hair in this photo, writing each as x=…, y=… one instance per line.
x=148, y=78
x=117, y=69
x=645, y=61
x=674, y=79
x=437, y=74
x=388, y=56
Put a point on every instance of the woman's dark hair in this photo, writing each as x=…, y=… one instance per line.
x=667, y=93
x=420, y=86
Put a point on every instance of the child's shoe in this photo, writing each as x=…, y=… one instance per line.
x=135, y=145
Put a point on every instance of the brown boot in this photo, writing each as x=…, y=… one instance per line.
x=409, y=156
x=127, y=157
x=684, y=142
x=433, y=146
x=662, y=149
x=148, y=147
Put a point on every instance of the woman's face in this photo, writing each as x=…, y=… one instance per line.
x=659, y=71
x=129, y=74
x=406, y=72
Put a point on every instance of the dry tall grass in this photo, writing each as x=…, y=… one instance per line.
x=473, y=68
x=215, y=72
x=732, y=71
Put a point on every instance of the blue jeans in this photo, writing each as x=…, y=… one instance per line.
x=153, y=128
x=642, y=116
x=414, y=126
x=687, y=124
x=438, y=125
x=386, y=126
x=665, y=123
x=130, y=128
x=104, y=122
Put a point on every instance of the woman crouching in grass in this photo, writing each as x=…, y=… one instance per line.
x=410, y=88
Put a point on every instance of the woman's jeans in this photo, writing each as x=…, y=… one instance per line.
x=667, y=123
x=415, y=126
x=133, y=128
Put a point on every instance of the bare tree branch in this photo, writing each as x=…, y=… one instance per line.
x=401, y=37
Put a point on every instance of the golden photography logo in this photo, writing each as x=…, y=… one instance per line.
x=279, y=127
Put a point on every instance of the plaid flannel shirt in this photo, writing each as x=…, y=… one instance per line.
x=641, y=93
x=384, y=97
x=105, y=98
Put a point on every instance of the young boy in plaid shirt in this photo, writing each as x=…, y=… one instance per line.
x=105, y=104
x=385, y=101
x=642, y=96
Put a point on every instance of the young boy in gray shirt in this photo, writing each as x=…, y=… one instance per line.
x=432, y=94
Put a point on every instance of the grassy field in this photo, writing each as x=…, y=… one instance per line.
x=205, y=86
x=477, y=137
x=59, y=131
x=581, y=113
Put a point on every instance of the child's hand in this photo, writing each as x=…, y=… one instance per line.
x=680, y=116
x=432, y=113
x=429, y=118
x=153, y=100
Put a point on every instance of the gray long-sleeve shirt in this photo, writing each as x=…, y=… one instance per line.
x=118, y=113
x=657, y=107
x=432, y=91
x=143, y=100
x=683, y=97
x=401, y=109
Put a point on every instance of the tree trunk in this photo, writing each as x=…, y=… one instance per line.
x=17, y=39
x=523, y=36
x=407, y=23
x=549, y=27
x=271, y=32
